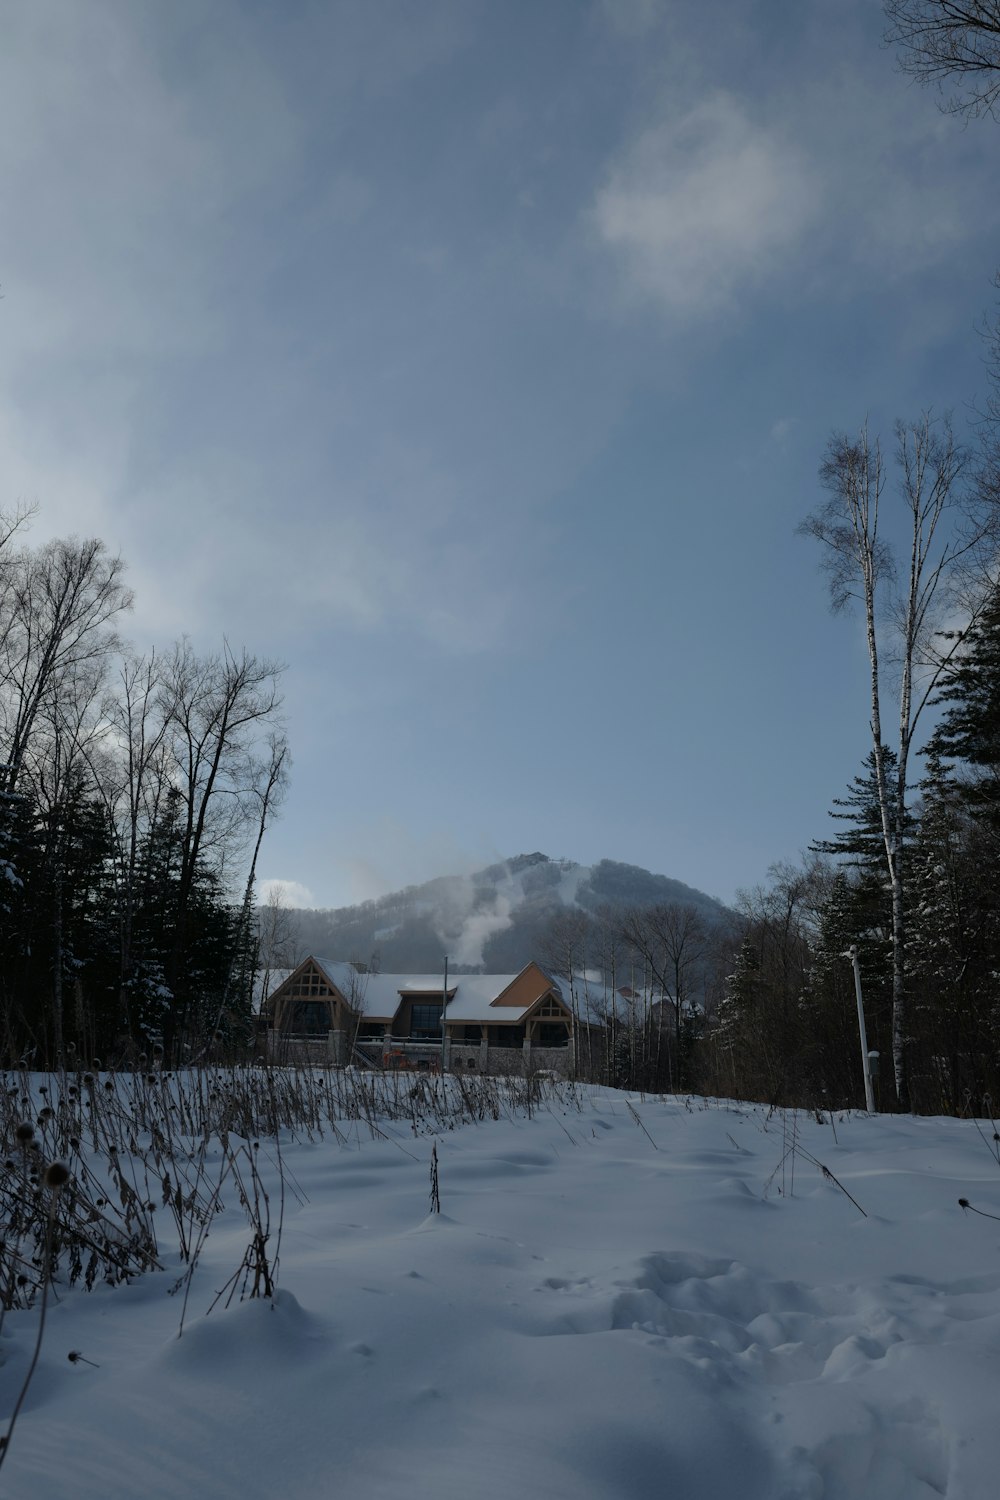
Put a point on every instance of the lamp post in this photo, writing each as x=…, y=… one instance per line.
x=866, y=1056
x=444, y=1007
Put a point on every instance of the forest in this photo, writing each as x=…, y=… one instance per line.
x=764, y=1006
x=135, y=790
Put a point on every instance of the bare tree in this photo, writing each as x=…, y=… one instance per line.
x=218, y=709
x=567, y=944
x=278, y=943
x=61, y=603
x=942, y=42
x=671, y=940
x=903, y=605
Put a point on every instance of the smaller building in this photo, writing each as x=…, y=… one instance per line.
x=492, y=1023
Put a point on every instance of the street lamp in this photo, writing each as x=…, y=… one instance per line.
x=866, y=1056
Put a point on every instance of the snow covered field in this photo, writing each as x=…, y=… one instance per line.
x=597, y=1312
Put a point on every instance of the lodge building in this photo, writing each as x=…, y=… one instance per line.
x=493, y=1023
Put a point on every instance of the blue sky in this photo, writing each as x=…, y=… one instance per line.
x=476, y=359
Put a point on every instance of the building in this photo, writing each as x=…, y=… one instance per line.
x=493, y=1023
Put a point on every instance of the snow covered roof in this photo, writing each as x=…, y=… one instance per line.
x=377, y=997
x=596, y=1004
x=265, y=982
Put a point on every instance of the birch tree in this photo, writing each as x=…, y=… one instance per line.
x=944, y=42
x=904, y=594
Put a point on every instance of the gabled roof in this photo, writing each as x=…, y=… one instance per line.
x=265, y=982
x=471, y=997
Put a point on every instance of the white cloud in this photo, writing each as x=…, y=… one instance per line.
x=820, y=185
x=703, y=204
x=285, y=893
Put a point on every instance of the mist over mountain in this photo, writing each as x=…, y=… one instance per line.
x=496, y=919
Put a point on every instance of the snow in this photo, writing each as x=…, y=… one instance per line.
x=623, y=1297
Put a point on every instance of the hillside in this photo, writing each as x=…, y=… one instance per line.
x=496, y=919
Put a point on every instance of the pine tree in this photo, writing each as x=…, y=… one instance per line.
x=862, y=845
x=969, y=729
x=955, y=921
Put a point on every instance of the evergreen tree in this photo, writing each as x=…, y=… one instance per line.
x=969, y=729
x=956, y=948
x=831, y=1045
x=862, y=844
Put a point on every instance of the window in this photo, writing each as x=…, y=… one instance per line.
x=506, y=1036
x=308, y=983
x=551, y=1034
x=307, y=1017
x=425, y=1022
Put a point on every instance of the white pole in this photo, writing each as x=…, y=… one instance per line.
x=444, y=1007
x=852, y=954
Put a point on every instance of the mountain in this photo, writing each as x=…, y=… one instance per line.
x=496, y=919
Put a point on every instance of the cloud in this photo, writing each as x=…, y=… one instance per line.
x=818, y=181
x=703, y=204
x=285, y=893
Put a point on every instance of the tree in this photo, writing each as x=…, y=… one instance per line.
x=217, y=709
x=946, y=41
x=568, y=940
x=969, y=728
x=862, y=844
x=853, y=914
x=60, y=608
x=671, y=940
x=954, y=948
x=942, y=536
x=758, y=1043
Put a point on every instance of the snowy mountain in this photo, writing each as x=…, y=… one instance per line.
x=497, y=918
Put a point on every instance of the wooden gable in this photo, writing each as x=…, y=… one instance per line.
x=551, y=1008
x=307, y=1003
x=307, y=982
x=530, y=986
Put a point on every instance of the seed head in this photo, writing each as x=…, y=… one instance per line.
x=57, y=1174
x=25, y=1132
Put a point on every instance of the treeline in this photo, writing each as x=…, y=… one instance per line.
x=134, y=794
x=787, y=1027
x=911, y=880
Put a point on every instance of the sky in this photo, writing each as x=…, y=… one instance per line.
x=476, y=361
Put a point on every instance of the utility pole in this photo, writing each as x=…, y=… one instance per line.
x=852, y=954
x=444, y=1007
